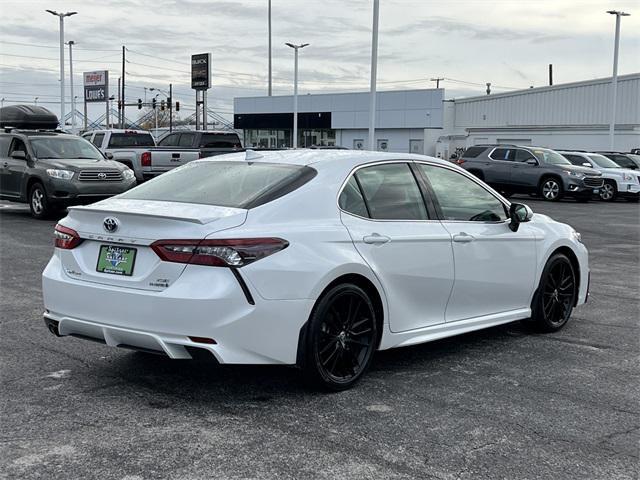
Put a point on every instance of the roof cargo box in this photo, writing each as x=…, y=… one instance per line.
x=28, y=117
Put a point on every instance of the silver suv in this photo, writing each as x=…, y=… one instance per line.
x=524, y=169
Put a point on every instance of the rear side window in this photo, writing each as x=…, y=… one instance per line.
x=351, y=199
x=391, y=192
x=219, y=140
x=225, y=184
x=123, y=140
x=186, y=139
x=473, y=152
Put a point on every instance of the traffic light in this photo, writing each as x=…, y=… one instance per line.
x=177, y=106
x=153, y=103
x=119, y=105
x=139, y=104
x=162, y=105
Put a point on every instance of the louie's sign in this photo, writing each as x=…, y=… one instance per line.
x=96, y=86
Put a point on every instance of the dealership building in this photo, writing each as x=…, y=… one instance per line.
x=571, y=116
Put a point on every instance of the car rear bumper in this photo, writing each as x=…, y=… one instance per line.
x=204, y=302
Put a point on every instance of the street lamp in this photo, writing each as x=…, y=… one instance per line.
x=71, y=43
x=61, y=17
x=614, y=80
x=35, y=101
x=295, y=91
x=374, y=72
x=156, y=111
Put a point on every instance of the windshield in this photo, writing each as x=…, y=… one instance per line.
x=549, y=156
x=603, y=161
x=131, y=139
x=67, y=148
x=225, y=184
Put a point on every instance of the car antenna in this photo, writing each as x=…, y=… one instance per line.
x=252, y=155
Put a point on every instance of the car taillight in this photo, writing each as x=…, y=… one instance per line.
x=145, y=159
x=218, y=253
x=459, y=161
x=66, y=238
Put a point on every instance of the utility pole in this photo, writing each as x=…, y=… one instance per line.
x=122, y=123
x=71, y=43
x=614, y=80
x=488, y=88
x=171, y=107
x=119, y=101
x=269, y=91
x=61, y=17
x=295, y=90
x=437, y=80
x=374, y=73
x=550, y=74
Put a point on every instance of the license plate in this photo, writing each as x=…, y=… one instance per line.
x=596, y=191
x=116, y=260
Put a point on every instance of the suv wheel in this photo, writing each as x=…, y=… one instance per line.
x=608, y=192
x=551, y=189
x=38, y=202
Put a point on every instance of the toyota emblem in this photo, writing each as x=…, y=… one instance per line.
x=102, y=175
x=110, y=224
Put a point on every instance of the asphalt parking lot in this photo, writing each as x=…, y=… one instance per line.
x=500, y=403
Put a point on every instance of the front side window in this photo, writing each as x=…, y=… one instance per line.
x=549, y=156
x=524, y=155
x=186, y=139
x=170, y=140
x=351, y=199
x=97, y=140
x=462, y=199
x=603, y=161
x=391, y=192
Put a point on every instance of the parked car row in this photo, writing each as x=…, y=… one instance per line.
x=554, y=174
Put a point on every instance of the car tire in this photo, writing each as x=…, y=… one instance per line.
x=38, y=202
x=340, y=338
x=556, y=295
x=608, y=192
x=551, y=189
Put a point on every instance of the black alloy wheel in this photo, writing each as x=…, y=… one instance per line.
x=341, y=338
x=556, y=295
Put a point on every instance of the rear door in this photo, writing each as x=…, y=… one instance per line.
x=494, y=267
x=408, y=250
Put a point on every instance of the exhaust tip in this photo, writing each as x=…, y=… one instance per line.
x=52, y=326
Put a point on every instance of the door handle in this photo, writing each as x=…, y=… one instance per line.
x=5, y=165
x=463, y=237
x=375, y=239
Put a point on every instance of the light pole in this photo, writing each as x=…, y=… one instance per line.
x=295, y=91
x=156, y=112
x=61, y=17
x=269, y=48
x=71, y=43
x=374, y=71
x=614, y=80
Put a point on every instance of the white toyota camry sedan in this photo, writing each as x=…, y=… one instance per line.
x=314, y=258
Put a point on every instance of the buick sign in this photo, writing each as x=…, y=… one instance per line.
x=201, y=71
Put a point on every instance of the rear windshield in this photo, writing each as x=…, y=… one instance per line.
x=225, y=184
x=123, y=140
x=220, y=140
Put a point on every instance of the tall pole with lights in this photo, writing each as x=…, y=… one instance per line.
x=614, y=80
x=374, y=72
x=295, y=91
x=270, y=84
x=71, y=43
x=61, y=17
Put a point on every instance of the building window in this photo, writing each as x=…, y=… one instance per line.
x=358, y=144
x=383, y=145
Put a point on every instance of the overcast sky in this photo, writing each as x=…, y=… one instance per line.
x=469, y=42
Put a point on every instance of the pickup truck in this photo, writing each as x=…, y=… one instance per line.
x=137, y=149
x=208, y=142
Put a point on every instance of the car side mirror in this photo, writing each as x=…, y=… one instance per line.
x=19, y=155
x=109, y=156
x=587, y=164
x=519, y=213
x=531, y=161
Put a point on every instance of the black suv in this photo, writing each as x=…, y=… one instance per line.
x=49, y=169
x=524, y=169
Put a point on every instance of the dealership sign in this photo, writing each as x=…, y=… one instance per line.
x=96, y=86
x=201, y=71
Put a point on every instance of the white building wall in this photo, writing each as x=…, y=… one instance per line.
x=398, y=139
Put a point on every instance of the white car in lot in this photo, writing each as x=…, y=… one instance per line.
x=618, y=181
x=309, y=258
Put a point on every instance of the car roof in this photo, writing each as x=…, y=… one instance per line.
x=321, y=158
x=37, y=133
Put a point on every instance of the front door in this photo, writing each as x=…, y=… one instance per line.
x=495, y=268
x=14, y=169
x=525, y=171
x=407, y=249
